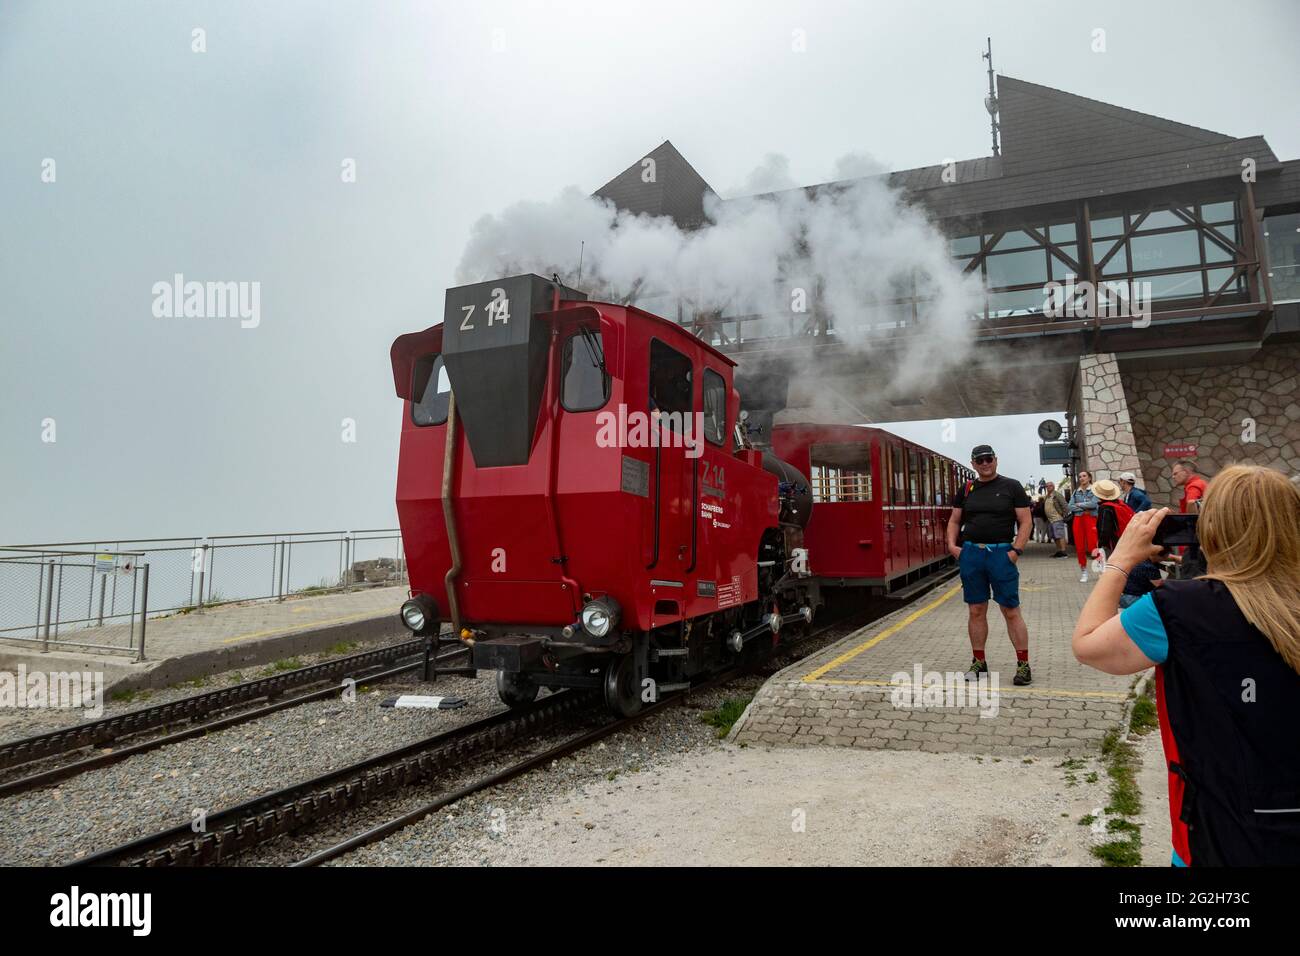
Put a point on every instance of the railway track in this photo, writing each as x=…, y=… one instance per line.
x=563, y=749
x=202, y=711
x=254, y=822
x=300, y=806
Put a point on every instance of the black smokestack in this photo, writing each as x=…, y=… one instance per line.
x=494, y=347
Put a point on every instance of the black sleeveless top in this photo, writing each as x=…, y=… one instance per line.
x=1230, y=719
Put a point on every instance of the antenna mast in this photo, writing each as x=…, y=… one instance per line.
x=991, y=101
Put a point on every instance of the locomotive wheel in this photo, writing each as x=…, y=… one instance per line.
x=622, y=696
x=516, y=690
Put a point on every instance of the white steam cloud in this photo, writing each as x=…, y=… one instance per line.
x=836, y=257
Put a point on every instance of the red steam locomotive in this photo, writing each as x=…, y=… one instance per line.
x=579, y=497
x=576, y=499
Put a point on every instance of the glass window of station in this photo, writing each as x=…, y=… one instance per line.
x=1181, y=250
x=1282, y=243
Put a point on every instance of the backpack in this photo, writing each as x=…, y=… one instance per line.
x=1112, y=518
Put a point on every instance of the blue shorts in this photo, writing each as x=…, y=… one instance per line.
x=985, y=569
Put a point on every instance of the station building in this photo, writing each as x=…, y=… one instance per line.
x=1076, y=190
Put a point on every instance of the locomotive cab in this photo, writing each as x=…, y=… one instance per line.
x=577, y=502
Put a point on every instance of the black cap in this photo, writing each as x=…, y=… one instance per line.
x=982, y=450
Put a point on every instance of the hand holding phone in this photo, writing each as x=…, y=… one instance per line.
x=1176, y=531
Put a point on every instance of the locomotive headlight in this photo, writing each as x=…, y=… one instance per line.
x=600, y=617
x=419, y=614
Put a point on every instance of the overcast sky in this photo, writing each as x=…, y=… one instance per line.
x=228, y=165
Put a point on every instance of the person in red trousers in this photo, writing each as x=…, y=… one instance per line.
x=1083, y=506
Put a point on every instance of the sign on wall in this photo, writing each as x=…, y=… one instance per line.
x=1179, y=449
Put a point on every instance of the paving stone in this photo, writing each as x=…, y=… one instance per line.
x=852, y=702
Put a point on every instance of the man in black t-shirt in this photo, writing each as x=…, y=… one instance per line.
x=992, y=515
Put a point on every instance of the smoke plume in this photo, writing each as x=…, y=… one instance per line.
x=834, y=258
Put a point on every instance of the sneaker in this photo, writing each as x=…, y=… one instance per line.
x=976, y=668
x=1061, y=554
x=1083, y=578
x=1023, y=676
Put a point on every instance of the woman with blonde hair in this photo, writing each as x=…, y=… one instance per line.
x=1226, y=647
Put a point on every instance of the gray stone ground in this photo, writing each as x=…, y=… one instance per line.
x=814, y=806
x=844, y=695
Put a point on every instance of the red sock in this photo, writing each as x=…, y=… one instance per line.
x=1023, y=655
x=979, y=655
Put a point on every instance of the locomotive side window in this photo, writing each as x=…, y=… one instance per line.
x=430, y=382
x=715, y=406
x=671, y=385
x=584, y=380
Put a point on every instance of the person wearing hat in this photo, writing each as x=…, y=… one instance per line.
x=992, y=516
x=1133, y=496
x=1112, y=513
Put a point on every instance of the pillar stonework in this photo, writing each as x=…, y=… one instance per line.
x=1106, y=442
x=1247, y=413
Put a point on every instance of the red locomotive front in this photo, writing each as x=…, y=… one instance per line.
x=576, y=499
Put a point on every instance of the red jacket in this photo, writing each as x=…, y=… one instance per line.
x=1192, y=491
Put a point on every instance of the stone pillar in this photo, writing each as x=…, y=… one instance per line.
x=1105, y=432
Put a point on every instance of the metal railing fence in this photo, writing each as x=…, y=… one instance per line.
x=99, y=595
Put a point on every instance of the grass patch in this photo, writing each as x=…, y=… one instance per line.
x=288, y=664
x=129, y=696
x=342, y=647
x=1120, y=852
x=1125, y=846
x=726, y=715
x=1145, y=717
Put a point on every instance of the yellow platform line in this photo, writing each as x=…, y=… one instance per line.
x=299, y=626
x=1043, y=691
x=872, y=642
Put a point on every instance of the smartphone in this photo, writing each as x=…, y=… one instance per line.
x=1176, y=531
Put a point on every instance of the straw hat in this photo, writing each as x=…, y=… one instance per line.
x=1106, y=490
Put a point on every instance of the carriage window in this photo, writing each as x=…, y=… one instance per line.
x=430, y=382
x=899, y=483
x=585, y=382
x=841, y=472
x=670, y=385
x=715, y=406
x=914, y=476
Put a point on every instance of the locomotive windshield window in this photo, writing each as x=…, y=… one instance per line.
x=715, y=406
x=585, y=382
x=433, y=388
x=671, y=386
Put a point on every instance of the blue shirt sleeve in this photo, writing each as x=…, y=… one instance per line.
x=1141, y=622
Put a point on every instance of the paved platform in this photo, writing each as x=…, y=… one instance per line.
x=893, y=683
x=184, y=646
